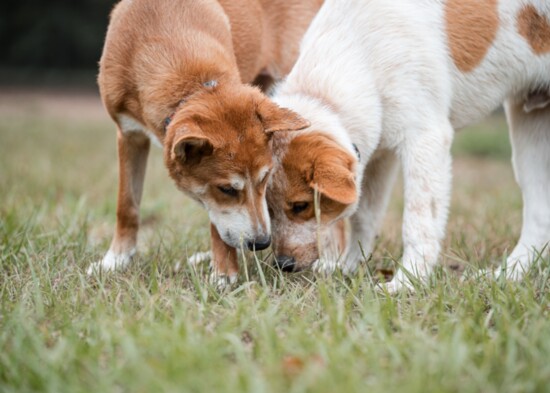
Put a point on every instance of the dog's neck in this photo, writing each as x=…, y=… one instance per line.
x=321, y=114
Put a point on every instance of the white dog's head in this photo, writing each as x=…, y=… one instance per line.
x=307, y=165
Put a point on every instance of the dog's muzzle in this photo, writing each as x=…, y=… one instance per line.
x=286, y=264
x=258, y=244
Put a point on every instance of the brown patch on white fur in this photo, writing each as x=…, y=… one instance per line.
x=315, y=162
x=535, y=28
x=471, y=26
x=311, y=161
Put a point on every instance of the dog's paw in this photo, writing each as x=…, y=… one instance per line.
x=111, y=262
x=325, y=266
x=199, y=257
x=222, y=281
x=354, y=259
x=195, y=259
x=520, y=262
x=399, y=282
x=514, y=271
x=349, y=266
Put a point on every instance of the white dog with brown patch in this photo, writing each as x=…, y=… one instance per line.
x=388, y=82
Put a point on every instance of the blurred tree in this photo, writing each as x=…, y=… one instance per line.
x=53, y=34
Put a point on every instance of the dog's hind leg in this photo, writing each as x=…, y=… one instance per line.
x=530, y=138
x=378, y=180
x=133, y=150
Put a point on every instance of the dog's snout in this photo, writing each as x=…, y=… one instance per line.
x=260, y=243
x=286, y=264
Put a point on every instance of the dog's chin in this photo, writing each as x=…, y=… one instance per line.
x=229, y=240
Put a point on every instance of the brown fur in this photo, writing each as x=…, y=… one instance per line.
x=535, y=28
x=224, y=257
x=233, y=131
x=315, y=162
x=160, y=52
x=340, y=234
x=470, y=45
x=311, y=161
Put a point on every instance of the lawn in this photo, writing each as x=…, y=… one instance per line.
x=149, y=329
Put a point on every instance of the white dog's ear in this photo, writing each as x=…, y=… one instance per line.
x=191, y=145
x=275, y=118
x=333, y=177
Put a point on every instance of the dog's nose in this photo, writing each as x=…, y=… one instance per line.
x=286, y=264
x=260, y=243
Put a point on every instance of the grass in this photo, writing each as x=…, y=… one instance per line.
x=485, y=140
x=149, y=329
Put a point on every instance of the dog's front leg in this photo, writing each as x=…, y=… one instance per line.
x=377, y=184
x=426, y=161
x=224, y=262
x=133, y=150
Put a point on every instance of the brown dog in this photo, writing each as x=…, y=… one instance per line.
x=173, y=71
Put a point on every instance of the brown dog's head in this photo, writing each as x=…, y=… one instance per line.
x=310, y=164
x=217, y=149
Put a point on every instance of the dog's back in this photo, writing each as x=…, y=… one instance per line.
x=498, y=50
x=156, y=50
x=450, y=54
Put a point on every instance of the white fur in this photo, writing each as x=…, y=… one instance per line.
x=262, y=173
x=199, y=257
x=111, y=261
x=392, y=86
x=222, y=281
x=128, y=124
x=237, y=225
x=530, y=137
x=238, y=182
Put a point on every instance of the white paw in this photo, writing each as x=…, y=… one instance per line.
x=355, y=258
x=398, y=283
x=195, y=259
x=199, y=257
x=520, y=261
x=324, y=266
x=111, y=262
x=350, y=264
x=513, y=271
x=222, y=281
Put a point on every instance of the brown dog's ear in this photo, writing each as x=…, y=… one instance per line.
x=275, y=118
x=333, y=177
x=190, y=145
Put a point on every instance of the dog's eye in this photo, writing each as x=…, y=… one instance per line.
x=299, y=207
x=228, y=190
